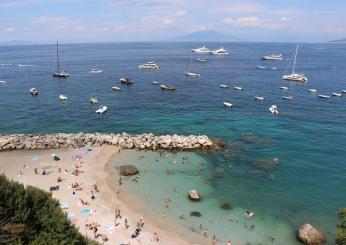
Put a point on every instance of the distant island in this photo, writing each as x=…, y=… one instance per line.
x=343, y=40
x=207, y=35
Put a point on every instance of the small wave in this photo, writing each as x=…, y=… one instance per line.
x=5, y=64
x=23, y=65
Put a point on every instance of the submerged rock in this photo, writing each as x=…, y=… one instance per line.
x=195, y=214
x=128, y=170
x=226, y=206
x=310, y=235
x=265, y=163
x=193, y=195
x=253, y=139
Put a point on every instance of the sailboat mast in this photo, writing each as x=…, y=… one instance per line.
x=295, y=58
x=57, y=55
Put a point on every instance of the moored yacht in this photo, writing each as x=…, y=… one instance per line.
x=63, y=97
x=287, y=97
x=101, y=110
x=95, y=71
x=272, y=57
x=169, y=88
x=283, y=88
x=149, y=65
x=220, y=51
x=33, y=91
x=192, y=74
x=126, y=81
x=312, y=90
x=201, y=59
x=116, y=88
x=337, y=94
x=156, y=83
x=227, y=104
x=201, y=50
x=223, y=86
x=2, y=81
x=59, y=73
x=238, y=88
x=259, y=98
x=274, y=109
x=322, y=96
x=296, y=77
x=93, y=100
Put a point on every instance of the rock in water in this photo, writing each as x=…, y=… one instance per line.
x=196, y=214
x=310, y=235
x=226, y=206
x=193, y=195
x=128, y=170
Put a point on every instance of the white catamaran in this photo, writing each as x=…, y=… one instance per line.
x=295, y=76
x=59, y=73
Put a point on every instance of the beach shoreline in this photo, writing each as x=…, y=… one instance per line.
x=96, y=168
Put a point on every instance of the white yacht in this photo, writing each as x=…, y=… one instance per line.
x=337, y=94
x=2, y=81
x=220, y=51
x=126, y=81
x=227, y=104
x=201, y=50
x=93, y=100
x=101, y=110
x=287, y=97
x=116, y=88
x=296, y=77
x=274, y=109
x=33, y=91
x=149, y=65
x=344, y=91
x=201, y=59
x=192, y=74
x=156, y=83
x=59, y=73
x=283, y=88
x=63, y=97
x=223, y=86
x=312, y=90
x=259, y=98
x=272, y=57
x=238, y=88
x=95, y=71
x=322, y=96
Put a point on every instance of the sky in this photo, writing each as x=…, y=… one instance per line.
x=45, y=21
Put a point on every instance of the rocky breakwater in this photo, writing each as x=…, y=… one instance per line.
x=142, y=142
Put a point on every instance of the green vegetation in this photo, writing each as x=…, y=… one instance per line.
x=341, y=228
x=31, y=216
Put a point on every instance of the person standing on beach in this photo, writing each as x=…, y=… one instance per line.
x=205, y=233
x=126, y=224
x=213, y=242
x=156, y=237
x=228, y=242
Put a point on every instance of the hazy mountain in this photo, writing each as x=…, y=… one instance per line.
x=343, y=40
x=208, y=36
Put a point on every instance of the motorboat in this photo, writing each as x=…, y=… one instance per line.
x=223, y=86
x=272, y=57
x=227, y=104
x=33, y=91
x=312, y=90
x=95, y=71
x=63, y=97
x=192, y=74
x=283, y=88
x=259, y=98
x=201, y=50
x=156, y=83
x=201, y=59
x=116, y=88
x=126, y=81
x=337, y=94
x=322, y=96
x=296, y=77
x=261, y=67
x=238, y=88
x=93, y=100
x=149, y=65
x=101, y=110
x=59, y=73
x=274, y=109
x=344, y=91
x=220, y=51
x=287, y=97
x=2, y=82
x=170, y=88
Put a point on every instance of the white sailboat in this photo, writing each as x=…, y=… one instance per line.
x=59, y=73
x=201, y=50
x=296, y=77
x=189, y=72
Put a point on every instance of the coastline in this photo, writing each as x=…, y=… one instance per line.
x=95, y=170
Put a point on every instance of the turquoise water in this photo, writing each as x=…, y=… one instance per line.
x=308, y=136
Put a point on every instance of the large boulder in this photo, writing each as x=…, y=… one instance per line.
x=310, y=235
x=193, y=195
x=128, y=170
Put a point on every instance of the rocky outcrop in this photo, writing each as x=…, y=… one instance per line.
x=226, y=206
x=141, y=142
x=128, y=170
x=310, y=235
x=193, y=195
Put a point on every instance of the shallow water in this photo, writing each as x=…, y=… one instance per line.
x=307, y=136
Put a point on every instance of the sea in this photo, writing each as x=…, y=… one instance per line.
x=306, y=185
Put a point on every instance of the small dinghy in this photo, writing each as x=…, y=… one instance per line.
x=33, y=91
x=201, y=60
x=156, y=83
x=337, y=94
x=116, y=88
x=322, y=96
x=227, y=104
x=287, y=97
x=126, y=81
x=283, y=88
x=238, y=88
x=274, y=109
x=101, y=110
x=223, y=86
x=259, y=98
x=95, y=71
x=192, y=74
x=63, y=97
x=169, y=88
x=93, y=100
x=312, y=90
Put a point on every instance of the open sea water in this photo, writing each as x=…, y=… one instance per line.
x=308, y=136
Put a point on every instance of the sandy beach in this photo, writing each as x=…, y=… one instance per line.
x=88, y=206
